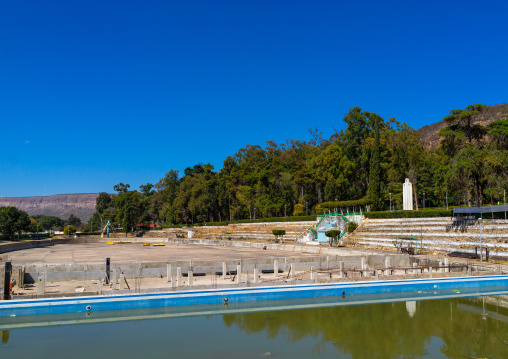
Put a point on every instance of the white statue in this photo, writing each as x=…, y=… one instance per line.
x=407, y=192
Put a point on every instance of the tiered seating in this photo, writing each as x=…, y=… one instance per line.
x=447, y=234
x=240, y=231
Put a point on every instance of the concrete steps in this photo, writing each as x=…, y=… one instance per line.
x=436, y=234
x=240, y=231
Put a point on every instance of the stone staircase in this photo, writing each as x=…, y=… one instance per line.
x=240, y=231
x=436, y=234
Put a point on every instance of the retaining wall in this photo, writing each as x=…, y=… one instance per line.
x=66, y=272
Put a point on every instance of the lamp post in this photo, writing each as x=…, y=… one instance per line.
x=423, y=200
x=390, y=202
x=481, y=252
x=285, y=211
x=447, y=199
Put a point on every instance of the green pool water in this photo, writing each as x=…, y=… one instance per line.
x=474, y=327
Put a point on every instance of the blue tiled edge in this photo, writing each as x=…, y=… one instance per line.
x=136, y=301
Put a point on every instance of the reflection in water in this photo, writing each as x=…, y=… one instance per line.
x=411, y=308
x=387, y=331
x=5, y=336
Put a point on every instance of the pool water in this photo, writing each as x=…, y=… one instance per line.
x=457, y=327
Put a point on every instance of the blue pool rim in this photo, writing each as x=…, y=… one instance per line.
x=244, y=294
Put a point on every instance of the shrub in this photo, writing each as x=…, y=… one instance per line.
x=279, y=232
x=279, y=219
x=341, y=204
x=70, y=229
x=332, y=233
x=351, y=226
x=410, y=214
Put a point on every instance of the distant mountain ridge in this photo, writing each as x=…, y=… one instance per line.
x=429, y=133
x=60, y=205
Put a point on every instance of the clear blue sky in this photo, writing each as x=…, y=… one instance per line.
x=93, y=93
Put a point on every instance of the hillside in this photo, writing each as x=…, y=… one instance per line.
x=60, y=205
x=429, y=134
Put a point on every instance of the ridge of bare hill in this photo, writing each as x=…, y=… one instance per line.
x=59, y=205
x=429, y=133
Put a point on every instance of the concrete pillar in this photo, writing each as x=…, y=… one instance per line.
x=168, y=272
x=173, y=282
x=441, y=269
x=469, y=271
x=292, y=270
x=21, y=276
x=99, y=287
x=376, y=275
x=41, y=285
x=341, y=269
x=122, y=281
x=447, y=265
x=312, y=273
x=190, y=277
x=256, y=275
x=113, y=281
x=363, y=263
x=415, y=270
x=224, y=270
x=275, y=268
x=430, y=272
x=247, y=279
x=239, y=273
x=387, y=262
x=2, y=282
x=365, y=270
x=179, y=276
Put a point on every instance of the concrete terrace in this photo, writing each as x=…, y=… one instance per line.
x=436, y=234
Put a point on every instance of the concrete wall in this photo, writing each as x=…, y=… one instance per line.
x=15, y=246
x=154, y=269
x=2, y=280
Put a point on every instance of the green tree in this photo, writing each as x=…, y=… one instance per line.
x=121, y=188
x=131, y=209
x=464, y=150
x=13, y=220
x=146, y=189
x=69, y=229
x=332, y=235
x=49, y=222
x=73, y=220
x=298, y=210
x=374, y=192
x=102, y=202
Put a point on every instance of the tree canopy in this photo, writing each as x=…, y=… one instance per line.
x=362, y=165
x=13, y=220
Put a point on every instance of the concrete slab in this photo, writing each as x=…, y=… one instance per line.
x=135, y=252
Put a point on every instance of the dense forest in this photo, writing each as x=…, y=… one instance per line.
x=363, y=165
